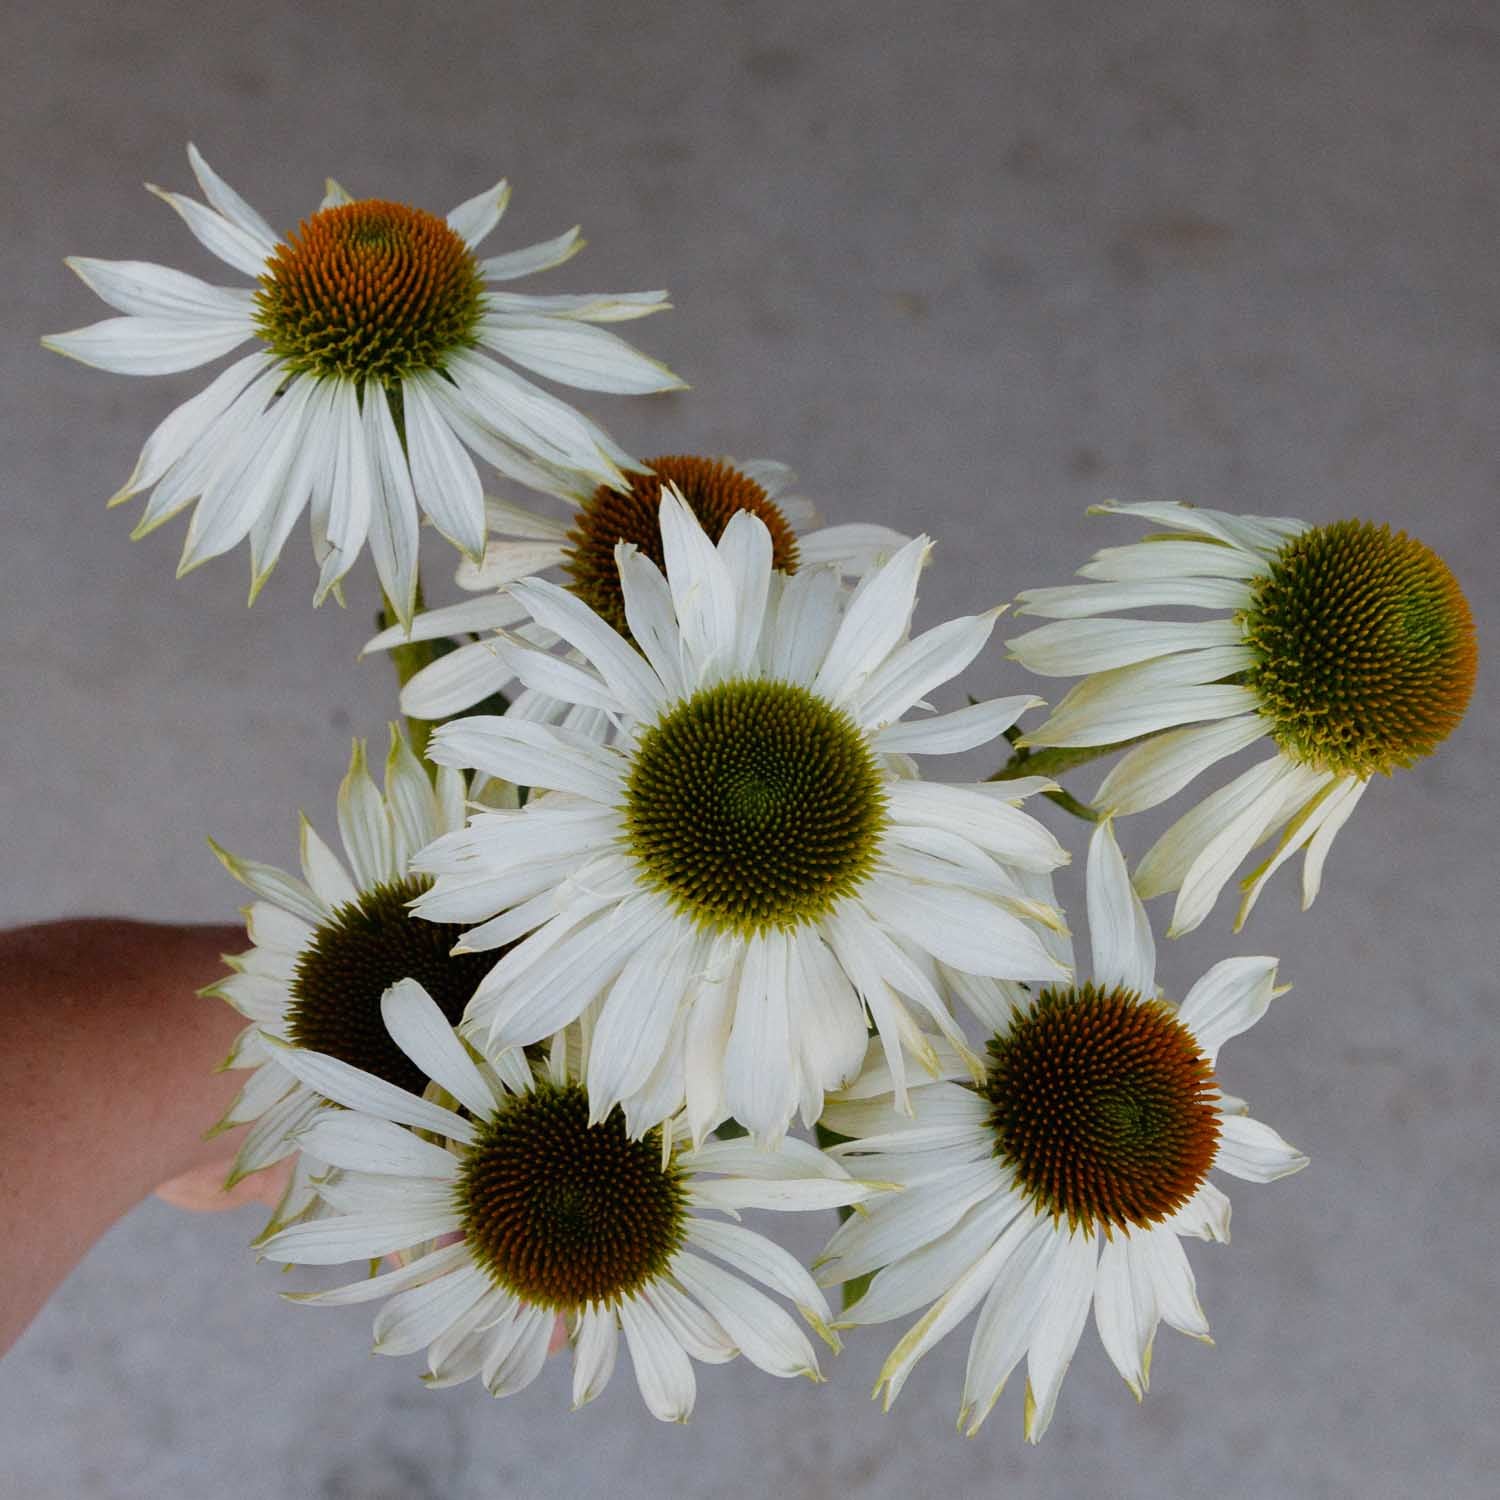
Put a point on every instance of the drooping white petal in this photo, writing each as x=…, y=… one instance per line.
x=766, y=1336
x=393, y=506
x=1124, y=951
x=662, y=1370
x=759, y=1080
x=328, y=1242
x=596, y=1341
x=442, y=474
x=414, y=1318
x=1074, y=600
x=1125, y=1308
x=1165, y=763
x=1065, y=1308
x=1322, y=841
x=1098, y=645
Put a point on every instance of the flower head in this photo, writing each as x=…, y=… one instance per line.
x=372, y=379
x=1066, y=1177
x=750, y=868
x=328, y=946
x=1349, y=646
x=529, y=1206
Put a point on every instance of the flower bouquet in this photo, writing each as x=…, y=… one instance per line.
x=659, y=915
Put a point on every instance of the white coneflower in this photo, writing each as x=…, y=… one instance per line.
x=751, y=868
x=1065, y=1178
x=368, y=298
x=326, y=947
x=556, y=1213
x=1349, y=646
x=584, y=548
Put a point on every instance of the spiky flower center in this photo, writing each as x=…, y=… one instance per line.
x=355, y=957
x=713, y=491
x=369, y=291
x=1103, y=1106
x=563, y=1213
x=755, y=804
x=1365, y=648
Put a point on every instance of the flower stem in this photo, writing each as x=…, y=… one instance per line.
x=1053, y=760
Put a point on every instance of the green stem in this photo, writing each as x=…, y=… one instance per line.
x=1053, y=760
x=409, y=659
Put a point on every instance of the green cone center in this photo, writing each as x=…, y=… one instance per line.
x=1365, y=648
x=369, y=290
x=1103, y=1106
x=564, y=1213
x=713, y=490
x=355, y=957
x=755, y=804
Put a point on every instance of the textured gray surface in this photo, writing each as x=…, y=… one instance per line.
x=966, y=267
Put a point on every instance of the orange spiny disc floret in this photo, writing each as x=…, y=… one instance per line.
x=1104, y=1107
x=1365, y=647
x=369, y=291
x=563, y=1213
x=714, y=491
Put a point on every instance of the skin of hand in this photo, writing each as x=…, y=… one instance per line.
x=108, y=1083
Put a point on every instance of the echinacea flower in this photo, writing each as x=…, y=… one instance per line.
x=1065, y=1179
x=326, y=948
x=374, y=324
x=751, y=867
x=527, y=1207
x=583, y=547
x=1349, y=646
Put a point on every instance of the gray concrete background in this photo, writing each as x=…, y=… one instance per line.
x=969, y=268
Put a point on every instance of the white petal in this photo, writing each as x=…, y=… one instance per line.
x=652, y=620
x=1077, y=599
x=1125, y=1310
x=359, y=1090
x=425, y=1268
x=327, y=1242
x=745, y=546
x=983, y=816
x=1160, y=558
x=1317, y=850
x=876, y=619
x=595, y=1344
x=150, y=346
x=760, y=1086
x=324, y=870
x=473, y=219
x=1335, y=800
x=1065, y=1308
x=363, y=1143
x=424, y=1034
x=139, y=288
x=414, y=1318
x=953, y=733
x=1254, y=1151
x=754, y=1255
x=1075, y=646
x=540, y=257
x=365, y=826
x=443, y=476
x=913, y=669
x=766, y=1336
x=1008, y=1318
x=1124, y=951
x=702, y=592
x=807, y=619
x=1129, y=701
x=662, y=1371
x=576, y=354
x=1230, y=998
x=630, y=679
x=530, y=755
x=274, y=885
x=236, y=246
x=393, y=506
x=854, y=549
x=1165, y=763
x=229, y=203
